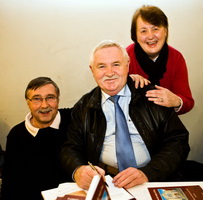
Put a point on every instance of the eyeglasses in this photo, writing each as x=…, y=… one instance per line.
x=39, y=100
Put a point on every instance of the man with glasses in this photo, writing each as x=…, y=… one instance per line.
x=31, y=163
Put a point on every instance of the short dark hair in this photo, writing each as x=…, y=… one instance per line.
x=150, y=14
x=39, y=82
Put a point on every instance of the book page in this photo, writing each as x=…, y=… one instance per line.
x=98, y=189
x=115, y=192
x=62, y=190
x=50, y=194
x=69, y=188
x=93, y=187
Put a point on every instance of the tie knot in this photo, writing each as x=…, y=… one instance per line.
x=115, y=98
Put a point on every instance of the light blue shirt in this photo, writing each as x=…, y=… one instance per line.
x=108, y=154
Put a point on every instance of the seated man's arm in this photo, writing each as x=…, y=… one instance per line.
x=84, y=175
x=75, y=152
x=170, y=148
x=130, y=177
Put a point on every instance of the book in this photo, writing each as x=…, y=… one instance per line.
x=66, y=191
x=192, y=192
x=117, y=193
x=98, y=190
x=79, y=195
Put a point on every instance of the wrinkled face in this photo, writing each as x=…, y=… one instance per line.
x=110, y=69
x=151, y=38
x=44, y=112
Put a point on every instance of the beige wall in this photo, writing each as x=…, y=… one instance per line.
x=54, y=38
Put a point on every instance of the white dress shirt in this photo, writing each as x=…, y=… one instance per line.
x=108, y=154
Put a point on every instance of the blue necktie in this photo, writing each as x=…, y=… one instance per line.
x=124, y=149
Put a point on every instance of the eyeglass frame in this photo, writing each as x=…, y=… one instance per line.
x=54, y=98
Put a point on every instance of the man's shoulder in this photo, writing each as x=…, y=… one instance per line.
x=91, y=97
x=20, y=125
x=143, y=90
x=139, y=95
x=65, y=112
x=17, y=129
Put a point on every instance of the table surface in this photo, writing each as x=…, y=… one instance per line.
x=140, y=192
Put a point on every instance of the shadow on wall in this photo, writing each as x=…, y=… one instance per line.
x=194, y=126
x=4, y=130
x=196, y=138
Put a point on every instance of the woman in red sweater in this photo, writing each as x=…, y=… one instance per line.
x=152, y=58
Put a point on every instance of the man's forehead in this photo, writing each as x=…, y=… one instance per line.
x=112, y=54
x=48, y=89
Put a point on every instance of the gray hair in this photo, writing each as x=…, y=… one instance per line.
x=105, y=44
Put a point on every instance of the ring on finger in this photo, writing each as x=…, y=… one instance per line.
x=161, y=100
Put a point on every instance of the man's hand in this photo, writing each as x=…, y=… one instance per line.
x=84, y=175
x=129, y=177
x=139, y=80
x=163, y=97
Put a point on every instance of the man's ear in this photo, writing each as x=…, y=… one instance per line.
x=128, y=65
x=27, y=101
x=90, y=67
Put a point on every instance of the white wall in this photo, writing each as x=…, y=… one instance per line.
x=54, y=38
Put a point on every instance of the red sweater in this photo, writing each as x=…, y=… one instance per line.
x=175, y=78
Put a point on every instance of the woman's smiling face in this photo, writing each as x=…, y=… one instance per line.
x=150, y=37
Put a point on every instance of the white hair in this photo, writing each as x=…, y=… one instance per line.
x=105, y=44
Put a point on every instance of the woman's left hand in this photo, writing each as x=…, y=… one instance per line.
x=163, y=97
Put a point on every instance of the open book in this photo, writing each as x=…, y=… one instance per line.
x=97, y=191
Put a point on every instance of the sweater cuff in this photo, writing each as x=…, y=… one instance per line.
x=177, y=109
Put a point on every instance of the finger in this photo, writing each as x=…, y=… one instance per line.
x=159, y=87
x=100, y=170
x=155, y=99
x=130, y=184
x=146, y=82
x=117, y=177
x=160, y=103
x=142, y=83
x=154, y=92
x=122, y=176
x=137, y=84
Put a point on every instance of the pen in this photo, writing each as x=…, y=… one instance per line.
x=95, y=169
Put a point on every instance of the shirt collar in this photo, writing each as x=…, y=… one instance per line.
x=33, y=130
x=124, y=92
